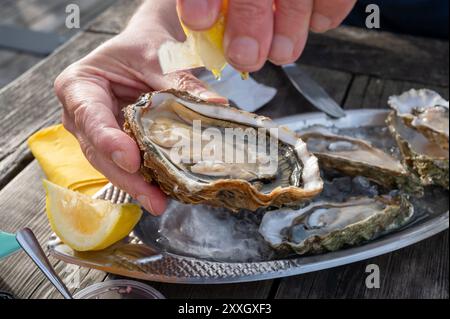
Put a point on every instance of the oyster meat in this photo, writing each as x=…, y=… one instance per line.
x=279, y=171
x=425, y=111
x=427, y=158
x=322, y=226
x=355, y=157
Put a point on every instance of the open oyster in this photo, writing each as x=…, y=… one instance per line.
x=322, y=226
x=188, y=152
x=426, y=111
x=356, y=157
x=428, y=159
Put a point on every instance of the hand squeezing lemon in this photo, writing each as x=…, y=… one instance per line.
x=84, y=223
x=201, y=49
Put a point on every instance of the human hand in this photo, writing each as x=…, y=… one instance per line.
x=260, y=30
x=95, y=89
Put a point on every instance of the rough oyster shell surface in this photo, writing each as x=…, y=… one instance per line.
x=296, y=180
x=428, y=159
x=355, y=157
x=426, y=111
x=322, y=227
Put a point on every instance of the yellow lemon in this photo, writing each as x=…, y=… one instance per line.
x=201, y=49
x=84, y=223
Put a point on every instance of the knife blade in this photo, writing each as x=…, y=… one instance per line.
x=312, y=91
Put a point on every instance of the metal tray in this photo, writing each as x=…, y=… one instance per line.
x=134, y=258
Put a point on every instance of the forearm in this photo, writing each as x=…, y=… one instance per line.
x=156, y=16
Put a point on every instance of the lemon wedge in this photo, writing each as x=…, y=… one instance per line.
x=201, y=49
x=86, y=224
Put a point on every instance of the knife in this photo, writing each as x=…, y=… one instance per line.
x=312, y=91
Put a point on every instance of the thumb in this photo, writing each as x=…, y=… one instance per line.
x=186, y=81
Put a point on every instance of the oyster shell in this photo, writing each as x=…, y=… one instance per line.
x=160, y=120
x=322, y=226
x=428, y=159
x=355, y=157
x=426, y=111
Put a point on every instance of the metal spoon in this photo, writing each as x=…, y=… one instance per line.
x=28, y=241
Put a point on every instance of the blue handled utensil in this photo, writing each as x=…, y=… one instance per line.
x=8, y=244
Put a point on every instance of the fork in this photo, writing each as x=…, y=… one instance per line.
x=113, y=194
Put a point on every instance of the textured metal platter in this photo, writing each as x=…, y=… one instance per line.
x=137, y=257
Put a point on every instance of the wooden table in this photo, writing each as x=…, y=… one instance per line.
x=42, y=16
x=360, y=69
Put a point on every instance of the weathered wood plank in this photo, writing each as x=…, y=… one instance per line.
x=45, y=16
x=54, y=21
x=380, y=54
x=49, y=15
x=419, y=271
x=29, y=103
x=367, y=92
x=24, y=13
x=76, y=278
x=115, y=19
x=22, y=205
x=17, y=64
x=13, y=163
x=252, y=290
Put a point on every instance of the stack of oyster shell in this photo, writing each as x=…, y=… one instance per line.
x=296, y=216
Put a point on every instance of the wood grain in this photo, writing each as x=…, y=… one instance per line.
x=251, y=290
x=114, y=20
x=367, y=92
x=29, y=103
x=22, y=205
x=380, y=54
x=15, y=64
x=418, y=271
x=44, y=16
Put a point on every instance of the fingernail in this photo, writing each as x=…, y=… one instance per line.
x=212, y=97
x=120, y=159
x=196, y=13
x=282, y=49
x=145, y=201
x=243, y=51
x=320, y=23
x=159, y=205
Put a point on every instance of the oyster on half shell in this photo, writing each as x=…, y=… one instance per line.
x=322, y=227
x=355, y=157
x=160, y=121
x=428, y=159
x=425, y=111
